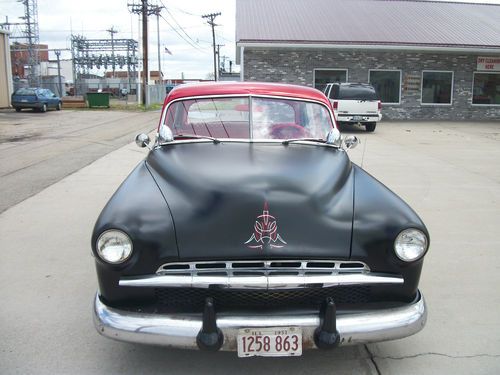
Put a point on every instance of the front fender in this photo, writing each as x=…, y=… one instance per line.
x=139, y=209
x=379, y=216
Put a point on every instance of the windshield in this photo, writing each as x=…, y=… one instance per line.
x=243, y=117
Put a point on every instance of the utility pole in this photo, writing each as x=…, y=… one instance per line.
x=59, y=86
x=223, y=68
x=218, y=58
x=210, y=20
x=142, y=10
x=156, y=10
x=145, y=10
x=145, y=69
x=112, y=31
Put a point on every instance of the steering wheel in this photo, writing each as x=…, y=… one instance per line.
x=288, y=131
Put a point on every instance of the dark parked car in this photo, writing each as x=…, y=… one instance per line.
x=248, y=229
x=36, y=99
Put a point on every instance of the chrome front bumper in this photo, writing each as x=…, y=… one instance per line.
x=180, y=330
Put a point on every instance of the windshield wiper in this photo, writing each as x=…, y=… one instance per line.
x=195, y=136
x=293, y=140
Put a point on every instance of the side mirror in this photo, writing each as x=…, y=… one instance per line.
x=333, y=138
x=350, y=141
x=142, y=140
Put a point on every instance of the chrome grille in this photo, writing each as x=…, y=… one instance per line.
x=261, y=275
x=263, y=268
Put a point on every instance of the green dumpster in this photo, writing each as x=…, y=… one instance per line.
x=98, y=99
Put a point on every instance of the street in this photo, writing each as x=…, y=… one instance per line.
x=448, y=172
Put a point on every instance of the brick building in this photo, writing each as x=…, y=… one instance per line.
x=20, y=58
x=427, y=59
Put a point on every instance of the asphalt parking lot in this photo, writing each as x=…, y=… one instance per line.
x=449, y=173
x=38, y=149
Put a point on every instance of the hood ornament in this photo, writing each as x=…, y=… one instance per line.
x=265, y=232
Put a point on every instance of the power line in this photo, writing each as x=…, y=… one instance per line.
x=185, y=12
x=220, y=36
x=193, y=42
x=182, y=36
x=218, y=56
x=177, y=23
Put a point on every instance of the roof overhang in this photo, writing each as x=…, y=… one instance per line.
x=373, y=47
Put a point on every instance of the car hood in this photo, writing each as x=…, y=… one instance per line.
x=256, y=200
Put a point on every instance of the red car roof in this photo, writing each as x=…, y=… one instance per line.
x=246, y=88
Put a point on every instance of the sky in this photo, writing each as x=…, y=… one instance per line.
x=182, y=29
x=190, y=43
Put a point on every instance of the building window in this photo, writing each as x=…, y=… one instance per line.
x=324, y=76
x=486, y=89
x=387, y=84
x=437, y=87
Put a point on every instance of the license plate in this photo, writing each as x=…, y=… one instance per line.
x=357, y=118
x=270, y=342
x=24, y=100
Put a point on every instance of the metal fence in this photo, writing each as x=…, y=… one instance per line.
x=51, y=83
x=156, y=94
x=119, y=90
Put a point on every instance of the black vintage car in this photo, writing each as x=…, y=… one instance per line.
x=248, y=229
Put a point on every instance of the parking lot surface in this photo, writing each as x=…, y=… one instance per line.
x=447, y=172
x=38, y=149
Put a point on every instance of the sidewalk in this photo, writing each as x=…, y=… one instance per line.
x=47, y=273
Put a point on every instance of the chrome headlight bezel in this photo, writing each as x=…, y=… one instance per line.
x=411, y=244
x=114, y=246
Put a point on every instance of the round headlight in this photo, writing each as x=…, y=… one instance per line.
x=410, y=245
x=114, y=246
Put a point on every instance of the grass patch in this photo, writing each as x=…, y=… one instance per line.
x=132, y=107
x=135, y=107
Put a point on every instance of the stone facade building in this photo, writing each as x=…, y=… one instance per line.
x=427, y=60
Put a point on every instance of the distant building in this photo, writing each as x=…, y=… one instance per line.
x=5, y=70
x=427, y=59
x=19, y=56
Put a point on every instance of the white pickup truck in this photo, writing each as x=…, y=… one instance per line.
x=355, y=103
